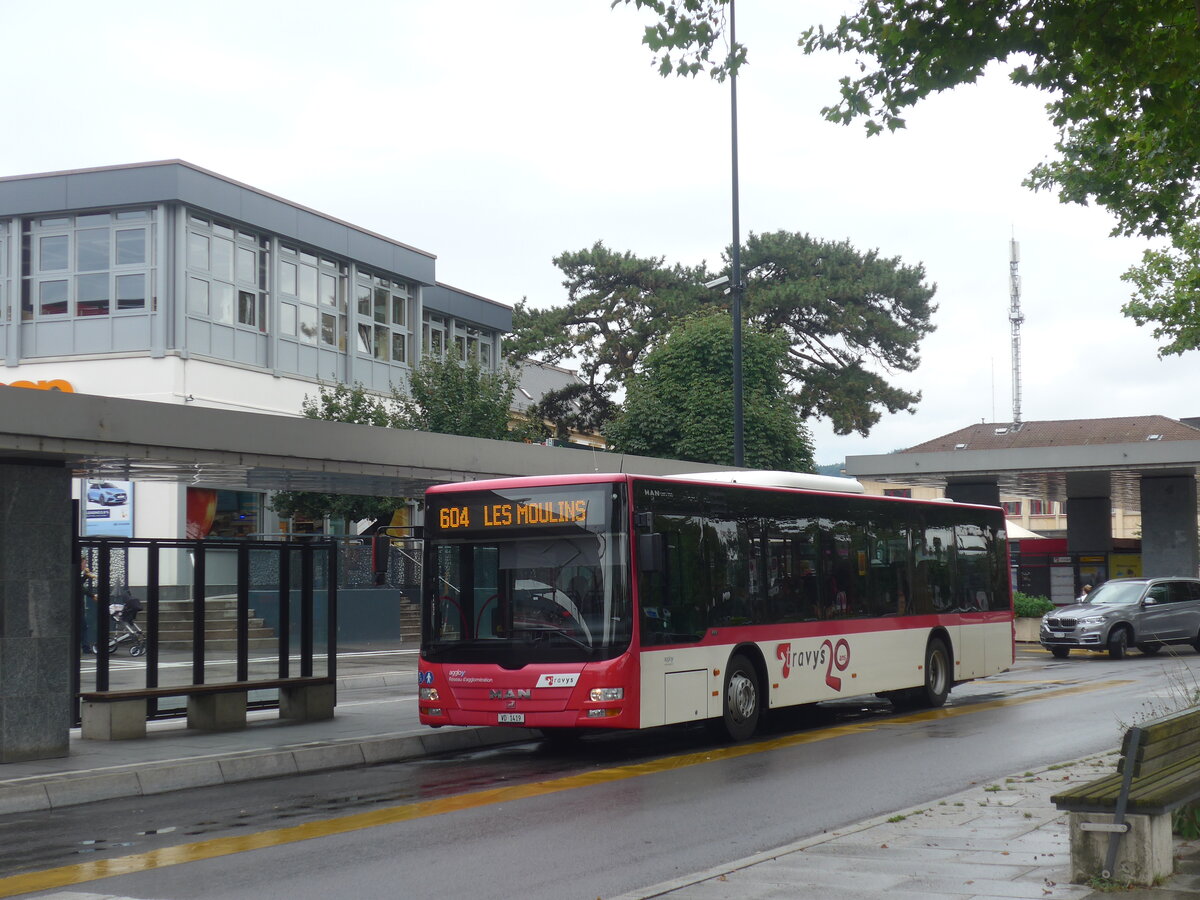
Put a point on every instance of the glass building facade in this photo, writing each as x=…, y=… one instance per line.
x=168, y=282
x=166, y=258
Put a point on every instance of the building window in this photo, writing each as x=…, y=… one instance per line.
x=433, y=334
x=897, y=492
x=313, y=298
x=441, y=335
x=472, y=343
x=227, y=274
x=1012, y=507
x=384, y=313
x=1042, y=508
x=93, y=264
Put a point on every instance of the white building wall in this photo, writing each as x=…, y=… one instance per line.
x=173, y=379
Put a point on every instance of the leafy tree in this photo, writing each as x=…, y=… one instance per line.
x=680, y=405
x=845, y=315
x=445, y=397
x=577, y=407
x=1120, y=74
x=1120, y=77
x=1167, y=291
x=616, y=306
x=449, y=397
x=690, y=28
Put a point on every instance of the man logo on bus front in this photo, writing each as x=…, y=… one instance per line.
x=832, y=656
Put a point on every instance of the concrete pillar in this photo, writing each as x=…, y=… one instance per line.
x=1169, y=525
x=1089, y=512
x=985, y=493
x=36, y=609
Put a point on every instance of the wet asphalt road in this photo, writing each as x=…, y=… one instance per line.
x=612, y=813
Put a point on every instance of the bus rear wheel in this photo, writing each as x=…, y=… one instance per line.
x=742, y=699
x=938, y=678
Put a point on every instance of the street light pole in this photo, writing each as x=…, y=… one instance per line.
x=739, y=455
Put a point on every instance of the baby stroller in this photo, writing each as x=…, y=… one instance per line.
x=123, y=629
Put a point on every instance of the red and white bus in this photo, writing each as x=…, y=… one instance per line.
x=627, y=601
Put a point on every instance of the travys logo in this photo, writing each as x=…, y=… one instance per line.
x=834, y=657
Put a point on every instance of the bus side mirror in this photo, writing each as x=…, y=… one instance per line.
x=651, y=550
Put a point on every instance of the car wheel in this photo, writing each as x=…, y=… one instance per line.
x=742, y=700
x=1060, y=652
x=1149, y=649
x=1118, y=643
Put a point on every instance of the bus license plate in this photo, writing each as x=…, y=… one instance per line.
x=511, y=718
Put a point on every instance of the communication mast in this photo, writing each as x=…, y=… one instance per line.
x=1015, y=319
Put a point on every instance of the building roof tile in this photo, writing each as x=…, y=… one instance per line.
x=1060, y=433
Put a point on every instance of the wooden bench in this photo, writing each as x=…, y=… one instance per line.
x=1159, y=772
x=121, y=715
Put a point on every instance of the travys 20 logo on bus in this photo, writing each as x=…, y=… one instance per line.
x=833, y=657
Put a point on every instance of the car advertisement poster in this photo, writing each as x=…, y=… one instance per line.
x=107, y=508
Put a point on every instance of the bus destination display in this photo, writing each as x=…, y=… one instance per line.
x=493, y=513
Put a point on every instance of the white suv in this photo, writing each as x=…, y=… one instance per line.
x=1147, y=613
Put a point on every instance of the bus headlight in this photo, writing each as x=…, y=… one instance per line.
x=602, y=695
x=428, y=693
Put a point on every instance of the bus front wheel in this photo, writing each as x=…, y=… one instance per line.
x=742, y=701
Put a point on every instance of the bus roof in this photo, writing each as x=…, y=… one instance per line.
x=761, y=479
x=527, y=481
x=756, y=478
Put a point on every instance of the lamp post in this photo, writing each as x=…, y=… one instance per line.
x=739, y=454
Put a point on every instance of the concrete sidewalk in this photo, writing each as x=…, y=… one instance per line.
x=1001, y=839
x=171, y=757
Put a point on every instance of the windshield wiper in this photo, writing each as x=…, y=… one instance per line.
x=549, y=631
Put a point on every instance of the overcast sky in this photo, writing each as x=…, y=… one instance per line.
x=500, y=134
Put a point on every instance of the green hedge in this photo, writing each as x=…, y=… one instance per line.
x=1026, y=607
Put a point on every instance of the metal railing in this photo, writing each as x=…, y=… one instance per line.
x=300, y=576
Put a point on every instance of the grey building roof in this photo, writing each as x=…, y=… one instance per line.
x=1060, y=433
x=465, y=305
x=537, y=380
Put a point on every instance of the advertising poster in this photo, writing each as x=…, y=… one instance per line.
x=1126, y=565
x=107, y=508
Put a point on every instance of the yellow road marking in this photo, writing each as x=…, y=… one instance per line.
x=214, y=848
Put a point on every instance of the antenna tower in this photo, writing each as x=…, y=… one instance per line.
x=1015, y=319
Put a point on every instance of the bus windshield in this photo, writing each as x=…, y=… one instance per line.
x=523, y=576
